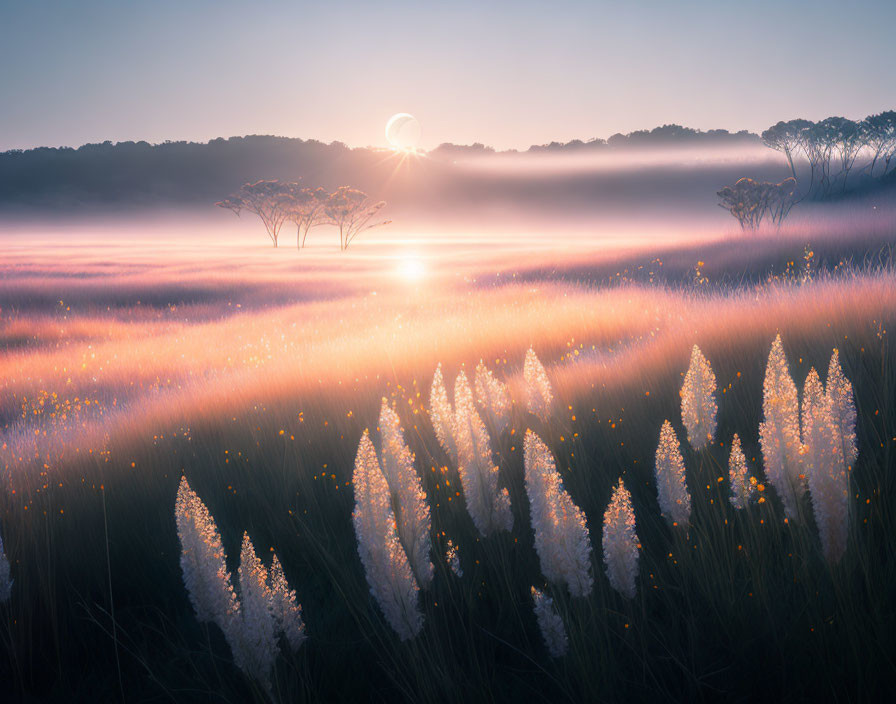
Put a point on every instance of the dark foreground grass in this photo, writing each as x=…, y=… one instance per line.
x=742, y=607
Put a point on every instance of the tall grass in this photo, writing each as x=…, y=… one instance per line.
x=487, y=503
x=562, y=538
x=270, y=447
x=671, y=481
x=620, y=542
x=385, y=562
x=743, y=486
x=409, y=503
x=5, y=578
x=779, y=431
x=698, y=401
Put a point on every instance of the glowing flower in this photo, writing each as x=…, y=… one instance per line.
x=843, y=410
x=620, y=542
x=698, y=401
x=562, y=540
x=826, y=469
x=287, y=613
x=266, y=606
x=488, y=506
x=493, y=396
x=463, y=394
x=386, y=565
x=671, y=484
x=5, y=577
x=453, y=559
x=253, y=636
x=442, y=415
x=203, y=561
x=779, y=432
x=742, y=486
x=551, y=625
x=539, y=396
x=813, y=398
x=408, y=497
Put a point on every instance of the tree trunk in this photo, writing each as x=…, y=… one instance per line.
x=790, y=161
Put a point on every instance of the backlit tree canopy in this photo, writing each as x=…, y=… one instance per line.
x=306, y=208
x=832, y=147
x=351, y=211
x=264, y=198
x=347, y=209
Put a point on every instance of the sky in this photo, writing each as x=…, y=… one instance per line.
x=508, y=74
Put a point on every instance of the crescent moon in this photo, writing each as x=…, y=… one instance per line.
x=394, y=124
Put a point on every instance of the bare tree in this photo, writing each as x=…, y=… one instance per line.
x=832, y=148
x=813, y=149
x=847, y=139
x=306, y=207
x=880, y=131
x=823, y=138
x=787, y=138
x=265, y=199
x=351, y=211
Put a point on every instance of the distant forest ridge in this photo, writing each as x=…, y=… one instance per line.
x=135, y=174
x=666, y=135
x=129, y=175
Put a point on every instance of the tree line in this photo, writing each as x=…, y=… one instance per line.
x=832, y=148
x=277, y=202
x=181, y=174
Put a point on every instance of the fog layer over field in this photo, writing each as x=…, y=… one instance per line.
x=139, y=346
x=126, y=327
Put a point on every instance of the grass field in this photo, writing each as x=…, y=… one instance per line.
x=124, y=366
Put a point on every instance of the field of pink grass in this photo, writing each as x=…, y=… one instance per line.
x=107, y=343
x=130, y=358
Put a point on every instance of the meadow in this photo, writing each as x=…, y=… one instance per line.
x=128, y=363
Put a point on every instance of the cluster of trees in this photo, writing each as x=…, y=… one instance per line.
x=751, y=202
x=276, y=202
x=179, y=174
x=664, y=136
x=833, y=146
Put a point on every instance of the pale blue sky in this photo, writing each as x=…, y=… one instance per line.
x=509, y=74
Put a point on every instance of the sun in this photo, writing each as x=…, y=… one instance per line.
x=403, y=132
x=411, y=268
